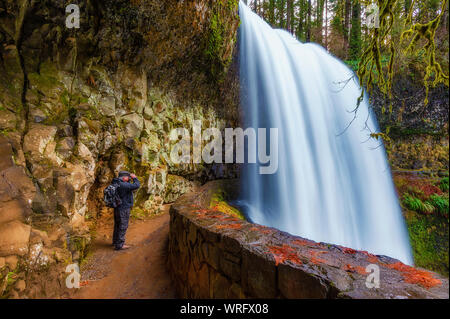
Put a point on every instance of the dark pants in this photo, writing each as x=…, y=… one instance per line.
x=121, y=217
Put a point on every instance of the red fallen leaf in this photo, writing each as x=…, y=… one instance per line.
x=84, y=283
x=358, y=269
x=350, y=251
x=202, y=212
x=415, y=276
x=370, y=257
x=283, y=253
x=303, y=242
x=262, y=230
x=314, y=259
x=229, y=226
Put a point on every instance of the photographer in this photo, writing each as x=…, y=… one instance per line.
x=122, y=212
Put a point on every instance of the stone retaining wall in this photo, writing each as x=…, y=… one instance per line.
x=214, y=255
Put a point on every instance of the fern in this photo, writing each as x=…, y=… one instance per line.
x=415, y=204
x=444, y=184
x=440, y=203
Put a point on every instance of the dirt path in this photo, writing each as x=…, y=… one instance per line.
x=139, y=272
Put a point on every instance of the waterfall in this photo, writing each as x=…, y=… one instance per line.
x=333, y=182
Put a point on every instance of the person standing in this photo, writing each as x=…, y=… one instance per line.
x=127, y=184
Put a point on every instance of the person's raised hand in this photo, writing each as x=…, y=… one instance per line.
x=133, y=176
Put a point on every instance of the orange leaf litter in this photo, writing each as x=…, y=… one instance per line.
x=349, y=250
x=261, y=229
x=314, y=259
x=370, y=257
x=415, y=276
x=283, y=253
x=303, y=242
x=229, y=226
x=360, y=270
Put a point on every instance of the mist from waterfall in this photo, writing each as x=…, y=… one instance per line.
x=333, y=182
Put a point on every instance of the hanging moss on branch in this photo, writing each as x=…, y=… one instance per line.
x=427, y=32
x=370, y=66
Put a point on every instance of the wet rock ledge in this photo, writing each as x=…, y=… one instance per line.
x=213, y=254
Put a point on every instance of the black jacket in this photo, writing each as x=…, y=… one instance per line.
x=126, y=192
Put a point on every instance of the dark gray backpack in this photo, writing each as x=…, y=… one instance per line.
x=111, y=196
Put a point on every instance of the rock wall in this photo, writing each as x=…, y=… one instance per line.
x=420, y=152
x=78, y=105
x=215, y=255
x=418, y=133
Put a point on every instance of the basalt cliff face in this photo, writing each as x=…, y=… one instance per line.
x=418, y=132
x=78, y=105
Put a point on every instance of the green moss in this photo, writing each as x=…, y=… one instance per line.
x=218, y=202
x=45, y=83
x=65, y=98
x=10, y=278
x=57, y=116
x=429, y=239
x=48, y=69
x=218, y=40
x=80, y=244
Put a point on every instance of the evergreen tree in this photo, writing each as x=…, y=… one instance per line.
x=355, y=33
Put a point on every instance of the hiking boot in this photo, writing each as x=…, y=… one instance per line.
x=124, y=247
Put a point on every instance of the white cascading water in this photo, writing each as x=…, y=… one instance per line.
x=333, y=182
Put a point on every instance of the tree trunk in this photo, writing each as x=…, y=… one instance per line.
x=319, y=20
x=289, y=16
x=308, y=23
x=355, y=33
x=272, y=12
x=301, y=18
x=326, y=24
x=347, y=10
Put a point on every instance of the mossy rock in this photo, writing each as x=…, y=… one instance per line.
x=218, y=202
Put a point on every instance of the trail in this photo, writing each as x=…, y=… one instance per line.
x=137, y=273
